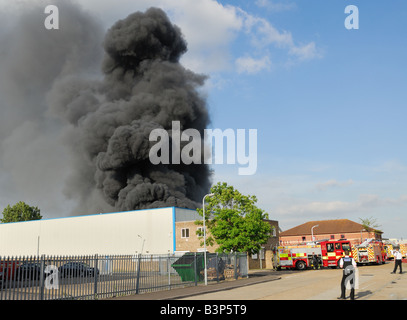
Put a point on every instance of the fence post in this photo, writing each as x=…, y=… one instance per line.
x=138, y=274
x=169, y=271
x=195, y=269
x=2, y=268
x=236, y=266
x=217, y=267
x=96, y=275
x=42, y=280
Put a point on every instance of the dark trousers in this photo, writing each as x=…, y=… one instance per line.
x=397, y=264
x=345, y=279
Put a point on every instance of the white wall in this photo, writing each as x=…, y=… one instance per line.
x=112, y=233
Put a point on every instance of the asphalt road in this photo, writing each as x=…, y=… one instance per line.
x=374, y=282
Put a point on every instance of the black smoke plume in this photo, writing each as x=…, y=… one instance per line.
x=143, y=87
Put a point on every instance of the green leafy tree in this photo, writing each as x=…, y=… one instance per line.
x=233, y=221
x=20, y=212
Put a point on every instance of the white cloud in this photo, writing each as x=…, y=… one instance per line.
x=209, y=27
x=329, y=209
x=251, y=65
x=305, y=52
x=294, y=199
x=212, y=28
x=263, y=35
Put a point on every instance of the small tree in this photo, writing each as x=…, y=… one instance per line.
x=370, y=224
x=20, y=212
x=234, y=221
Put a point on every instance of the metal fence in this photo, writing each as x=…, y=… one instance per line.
x=98, y=277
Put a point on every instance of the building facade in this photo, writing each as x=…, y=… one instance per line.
x=328, y=230
x=150, y=231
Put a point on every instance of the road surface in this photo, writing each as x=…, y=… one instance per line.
x=374, y=282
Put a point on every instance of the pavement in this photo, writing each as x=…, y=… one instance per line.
x=384, y=286
x=256, y=276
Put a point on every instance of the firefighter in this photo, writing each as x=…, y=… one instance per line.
x=348, y=265
x=315, y=262
x=397, y=260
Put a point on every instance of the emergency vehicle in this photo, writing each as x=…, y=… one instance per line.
x=301, y=256
x=8, y=269
x=403, y=249
x=370, y=251
x=391, y=247
x=388, y=246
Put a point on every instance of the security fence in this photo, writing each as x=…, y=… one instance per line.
x=98, y=277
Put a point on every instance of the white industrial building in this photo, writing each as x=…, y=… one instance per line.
x=149, y=231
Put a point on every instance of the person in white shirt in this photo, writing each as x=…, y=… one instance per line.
x=397, y=260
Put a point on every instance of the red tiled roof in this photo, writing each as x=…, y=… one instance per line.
x=324, y=227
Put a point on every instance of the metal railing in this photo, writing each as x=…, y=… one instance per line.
x=98, y=277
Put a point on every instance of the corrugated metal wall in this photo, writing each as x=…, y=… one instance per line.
x=113, y=233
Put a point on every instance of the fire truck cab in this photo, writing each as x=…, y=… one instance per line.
x=333, y=250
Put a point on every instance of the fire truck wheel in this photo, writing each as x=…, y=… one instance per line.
x=300, y=265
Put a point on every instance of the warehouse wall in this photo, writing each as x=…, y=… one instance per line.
x=112, y=233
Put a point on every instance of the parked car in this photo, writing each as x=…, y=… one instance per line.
x=8, y=269
x=29, y=270
x=77, y=269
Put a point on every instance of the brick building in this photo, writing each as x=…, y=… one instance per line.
x=186, y=239
x=328, y=229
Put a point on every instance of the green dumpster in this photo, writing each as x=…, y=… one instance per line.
x=185, y=266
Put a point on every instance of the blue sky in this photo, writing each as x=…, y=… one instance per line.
x=330, y=128
x=328, y=103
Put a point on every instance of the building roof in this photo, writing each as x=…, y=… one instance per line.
x=324, y=227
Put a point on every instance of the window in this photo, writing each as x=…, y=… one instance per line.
x=330, y=247
x=346, y=246
x=342, y=236
x=337, y=246
x=200, y=230
x=303, y=238
x=261, y=253
x=185, y=233
x=332, y=237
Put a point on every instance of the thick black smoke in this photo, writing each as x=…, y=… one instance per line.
x=34, y=161
x=143, y=87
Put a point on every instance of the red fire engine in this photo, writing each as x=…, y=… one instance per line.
x=301, y=256
x=370, y=251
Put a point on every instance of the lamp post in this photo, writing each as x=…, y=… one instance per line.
x=204, y=230
x=142, y=247
x=312, y=232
